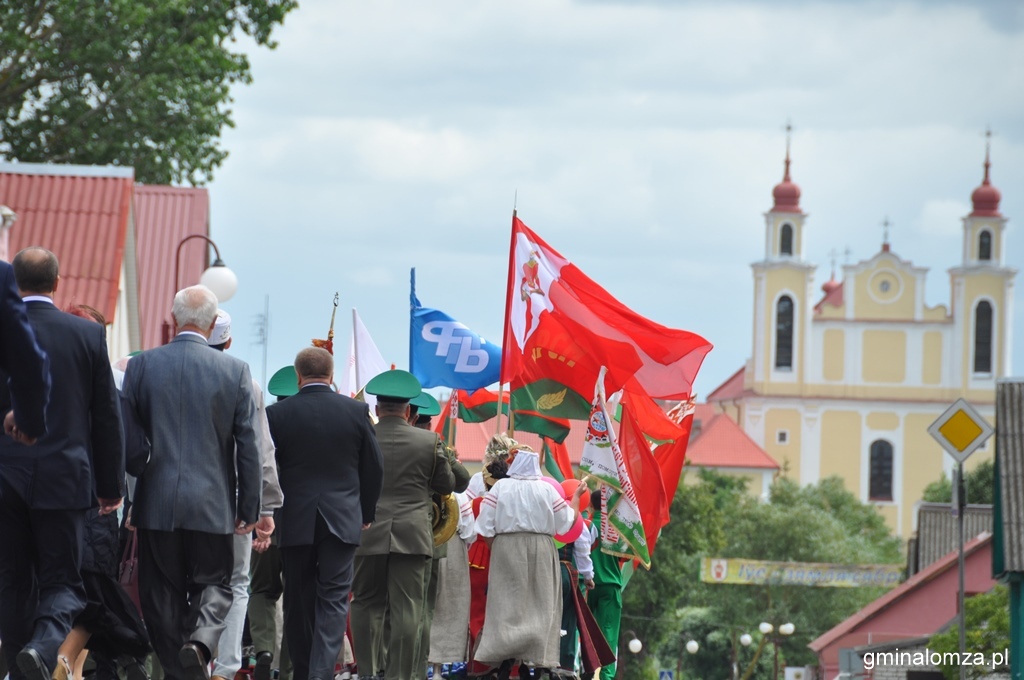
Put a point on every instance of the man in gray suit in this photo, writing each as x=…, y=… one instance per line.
x=197, y=409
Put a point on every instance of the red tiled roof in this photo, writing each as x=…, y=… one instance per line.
x=163, y=217
x=79, y=213
x=722, y=443
x=730, y=389
x=916, y=581
x=471, y=440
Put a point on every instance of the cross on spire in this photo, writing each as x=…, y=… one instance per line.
x=833, y=255
x=988, y=146
x=846, y=255
x=789, y=132
x=885, y=231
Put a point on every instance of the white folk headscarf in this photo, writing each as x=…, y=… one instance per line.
x=526, y=464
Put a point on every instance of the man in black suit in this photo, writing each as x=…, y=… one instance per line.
x=45, y=490
x=24, y=363
x=331, y=473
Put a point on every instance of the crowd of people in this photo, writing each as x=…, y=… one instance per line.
x=169, y=465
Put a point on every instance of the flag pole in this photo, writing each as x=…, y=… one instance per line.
x=412, y=308
x=451, y=417
x=508, y=310
x=355, y=350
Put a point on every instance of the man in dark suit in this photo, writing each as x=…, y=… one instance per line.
x=197, y=409
x=24, y=364
x=45, y=490
x=393, y=560
x=331, y=473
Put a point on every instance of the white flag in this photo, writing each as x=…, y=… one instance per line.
x=364, y=362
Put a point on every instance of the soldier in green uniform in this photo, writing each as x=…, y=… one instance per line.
x=393, y=560
x=424, y=407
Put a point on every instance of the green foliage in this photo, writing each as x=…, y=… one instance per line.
x=142, y=84
x=987, y=629
x=980, y=483
x=819, y=523
x=651, y=596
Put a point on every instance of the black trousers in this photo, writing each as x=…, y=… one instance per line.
x=317, y=584
x=41, y=589
x=185, y=590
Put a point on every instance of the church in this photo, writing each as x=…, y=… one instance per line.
x=846, y=380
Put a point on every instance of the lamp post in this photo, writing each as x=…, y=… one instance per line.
x=217, y=277
x=691, y=647
x=786, y=630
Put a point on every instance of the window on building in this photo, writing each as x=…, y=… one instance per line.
x=881, y=471
x=784, y=332
x=983, y=337
x=985, y=246
x=781, y=436
x=786, y=240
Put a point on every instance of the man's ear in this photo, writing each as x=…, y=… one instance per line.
x=227, y=345
x=56, y=283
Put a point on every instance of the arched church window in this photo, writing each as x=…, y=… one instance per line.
x=784, y=332
x=786, y=240
x=985, y=246
x=881, y=471
x=983, y=337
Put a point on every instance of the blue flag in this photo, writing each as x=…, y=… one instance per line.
x=444, y=353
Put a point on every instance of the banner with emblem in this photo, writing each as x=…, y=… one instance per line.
x=445, y=353
x=622, y=528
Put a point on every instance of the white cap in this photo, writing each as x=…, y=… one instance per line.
x=221, y=329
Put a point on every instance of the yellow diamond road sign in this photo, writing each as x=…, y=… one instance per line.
x=961, y=430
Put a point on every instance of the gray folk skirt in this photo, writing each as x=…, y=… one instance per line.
x=524, y=602
x=449, y=631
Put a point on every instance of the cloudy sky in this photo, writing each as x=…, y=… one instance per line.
x=643, y=140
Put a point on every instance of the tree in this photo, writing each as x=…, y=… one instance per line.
x=141, y=84
x=980, y=483
x=987, y=629
x=716, y=517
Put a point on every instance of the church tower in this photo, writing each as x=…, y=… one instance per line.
x=983, y=293
x=783, y=284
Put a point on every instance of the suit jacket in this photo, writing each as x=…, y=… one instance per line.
x=329, y=464
x=271, y=496
x=415, y=463
x=81, y=456
x=24, y=364
x=196, y=406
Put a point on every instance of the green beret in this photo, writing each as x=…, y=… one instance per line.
x=426, y=404
x=396, y=385
x=284, y=383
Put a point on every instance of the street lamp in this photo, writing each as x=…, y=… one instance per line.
x=786, y=630
x=221, y=281
x=634, y=645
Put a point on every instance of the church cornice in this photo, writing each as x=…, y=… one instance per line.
x=1001, y=272
x=762, y=265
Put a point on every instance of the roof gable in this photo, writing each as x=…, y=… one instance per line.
x=82, y=215
x=722, y=443
x=164, y=216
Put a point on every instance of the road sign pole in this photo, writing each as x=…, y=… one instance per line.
x=961, y=504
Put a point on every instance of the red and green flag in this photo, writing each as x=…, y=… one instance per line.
x=562, y=326
x=557, y=463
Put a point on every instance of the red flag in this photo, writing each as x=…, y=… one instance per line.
x=652, y=419
x=449, y=417
x=560, y=324
x=645, y=474
x=672, y=456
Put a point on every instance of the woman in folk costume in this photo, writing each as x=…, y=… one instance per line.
x=449, y=634
x=518, y=517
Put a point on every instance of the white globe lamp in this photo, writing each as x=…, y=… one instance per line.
x=765, y=628
x=635, y=646
x=745, y=639
x=692, y=646
x=220, y=280
x=787, y=629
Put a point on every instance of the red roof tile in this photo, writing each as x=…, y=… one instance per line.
x=471, y=440
x=730, y=389
x=79, y=213
x=722, y=443
x=916, y=581
x=163, y=217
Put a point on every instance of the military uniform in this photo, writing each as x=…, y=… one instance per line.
x=393, y=560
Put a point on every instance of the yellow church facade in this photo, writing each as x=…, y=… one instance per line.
x=846, y=381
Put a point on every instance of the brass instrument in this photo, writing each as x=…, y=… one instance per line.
x=445, y=510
